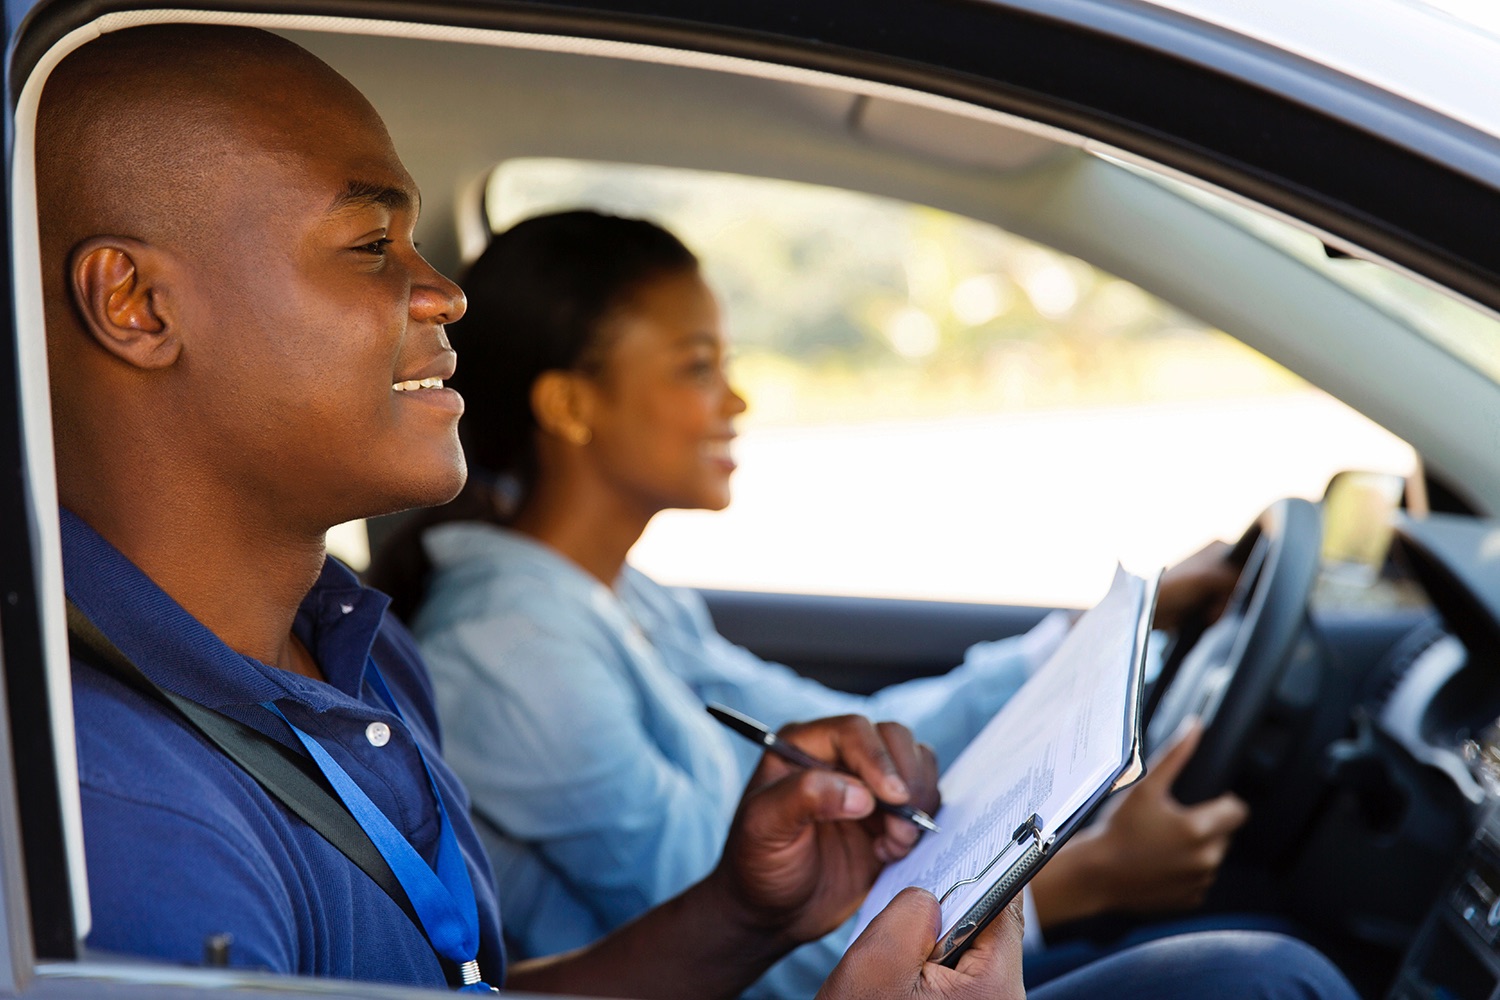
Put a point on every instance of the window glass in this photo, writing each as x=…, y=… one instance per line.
x=350, y=543
x=940, y=409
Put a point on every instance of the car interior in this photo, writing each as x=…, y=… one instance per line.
x=1351, y=683
x=1352, y=753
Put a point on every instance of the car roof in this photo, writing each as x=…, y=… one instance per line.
x=1441, y=59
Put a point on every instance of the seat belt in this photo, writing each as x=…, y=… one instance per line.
x=289, y=777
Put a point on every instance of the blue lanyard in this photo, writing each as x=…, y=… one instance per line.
x=443, y=899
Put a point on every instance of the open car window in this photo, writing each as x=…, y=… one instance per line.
x=941, y=409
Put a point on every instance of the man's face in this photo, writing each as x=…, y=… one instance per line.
x=312, y=320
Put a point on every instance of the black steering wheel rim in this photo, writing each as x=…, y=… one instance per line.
x=1228, y=678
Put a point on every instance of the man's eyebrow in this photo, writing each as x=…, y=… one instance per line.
x=357, y=194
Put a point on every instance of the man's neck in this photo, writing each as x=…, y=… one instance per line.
x=244, y=585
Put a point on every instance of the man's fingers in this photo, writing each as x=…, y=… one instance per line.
x=994, y=958
x=900, y=834
x=926, y=795
x=782, y=810
x=852, y=743
x=890, y=958
x=883, y=761
x=902, y=750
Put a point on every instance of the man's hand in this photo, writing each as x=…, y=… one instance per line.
x=806, y=845
x=802, y=853
x=1200, y=584
x=1146, y=852
x=889, y=960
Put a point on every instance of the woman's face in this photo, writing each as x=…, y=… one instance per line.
x=663, y=413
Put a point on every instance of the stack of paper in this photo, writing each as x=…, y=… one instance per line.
x=1069, y=736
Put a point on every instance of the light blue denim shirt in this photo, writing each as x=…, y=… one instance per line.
x=573, y=712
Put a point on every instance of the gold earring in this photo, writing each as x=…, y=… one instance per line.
x=580, y=435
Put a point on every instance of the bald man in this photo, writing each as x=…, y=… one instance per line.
x=246, y=349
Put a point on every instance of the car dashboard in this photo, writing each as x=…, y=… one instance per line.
x=1416, y=783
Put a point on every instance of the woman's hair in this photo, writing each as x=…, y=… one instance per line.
x=539, y=297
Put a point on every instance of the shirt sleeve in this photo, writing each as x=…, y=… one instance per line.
x=158, y=905
x=945, y=711
x=549, y=735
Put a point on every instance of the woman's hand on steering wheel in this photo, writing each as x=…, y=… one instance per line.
x=1198, y=587
x=1147, y=852
x=1228, y=676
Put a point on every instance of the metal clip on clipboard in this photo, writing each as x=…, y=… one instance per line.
x=988, y=905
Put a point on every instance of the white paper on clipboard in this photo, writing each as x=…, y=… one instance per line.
x=1067, y=738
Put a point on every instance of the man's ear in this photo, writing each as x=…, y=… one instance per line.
x=118, y=288
x=561, y=402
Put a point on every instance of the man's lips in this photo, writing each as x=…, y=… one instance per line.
x=429, y=376
x=425, y=385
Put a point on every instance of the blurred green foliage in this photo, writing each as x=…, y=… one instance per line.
x=849, y=307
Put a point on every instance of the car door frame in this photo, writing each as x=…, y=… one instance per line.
x=1002, y=54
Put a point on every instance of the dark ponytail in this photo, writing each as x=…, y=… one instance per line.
x=538, y=298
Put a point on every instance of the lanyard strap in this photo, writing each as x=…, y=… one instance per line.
x=443, y=898
x=287, y=776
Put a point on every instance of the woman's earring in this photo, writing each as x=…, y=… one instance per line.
x=580, y=435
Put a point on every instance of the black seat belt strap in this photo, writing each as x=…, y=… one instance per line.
x=288, y=776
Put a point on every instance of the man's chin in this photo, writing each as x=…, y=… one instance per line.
x=427, y=488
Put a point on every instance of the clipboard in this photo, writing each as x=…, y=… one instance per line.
x=974, y=892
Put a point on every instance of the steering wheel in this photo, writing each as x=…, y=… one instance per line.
x=1227, y=677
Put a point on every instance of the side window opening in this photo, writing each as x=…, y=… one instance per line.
x=941, y=409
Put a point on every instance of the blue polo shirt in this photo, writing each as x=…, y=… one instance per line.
x=183, y=844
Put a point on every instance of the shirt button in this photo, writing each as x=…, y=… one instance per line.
x=378, y=733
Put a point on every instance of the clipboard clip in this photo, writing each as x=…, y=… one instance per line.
x=1030, y=829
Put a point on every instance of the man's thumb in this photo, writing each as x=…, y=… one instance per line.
x=781, y=812
x=887, y=958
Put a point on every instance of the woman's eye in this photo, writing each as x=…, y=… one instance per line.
x=374, y=247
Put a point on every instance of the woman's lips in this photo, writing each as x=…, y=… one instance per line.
x=718, y=452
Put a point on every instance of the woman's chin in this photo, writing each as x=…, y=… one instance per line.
x=710, y=500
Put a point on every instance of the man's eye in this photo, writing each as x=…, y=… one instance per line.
x=374, y=247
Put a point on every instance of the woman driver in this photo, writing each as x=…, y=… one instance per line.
x=572, y=686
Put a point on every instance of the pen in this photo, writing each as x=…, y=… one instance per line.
x=757, y=733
